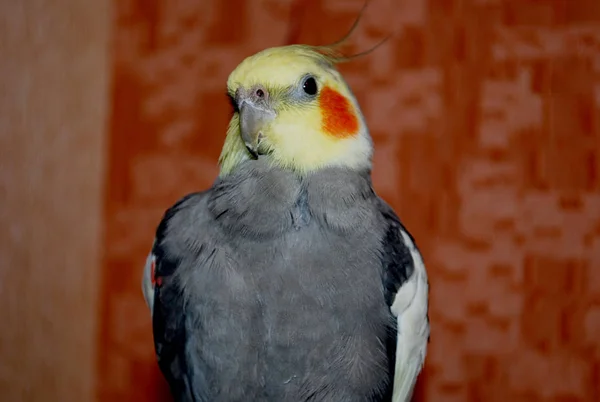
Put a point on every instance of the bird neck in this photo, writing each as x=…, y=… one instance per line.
x=234, y=151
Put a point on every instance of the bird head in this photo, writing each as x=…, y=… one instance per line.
x=292, y=107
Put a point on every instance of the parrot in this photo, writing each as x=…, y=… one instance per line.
x=290, y=278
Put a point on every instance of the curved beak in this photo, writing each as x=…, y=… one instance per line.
x=255, y=115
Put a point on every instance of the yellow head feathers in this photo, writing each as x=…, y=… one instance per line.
x=293, y=107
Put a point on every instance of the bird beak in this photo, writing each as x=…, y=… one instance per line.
x=255, y=115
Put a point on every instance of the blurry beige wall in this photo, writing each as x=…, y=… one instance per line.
x=53, y=111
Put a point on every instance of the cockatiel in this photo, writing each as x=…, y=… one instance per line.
x=289, y=279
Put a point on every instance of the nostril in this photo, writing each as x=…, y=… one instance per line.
x=260, y=93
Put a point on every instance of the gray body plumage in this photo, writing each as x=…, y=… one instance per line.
x=279, y=288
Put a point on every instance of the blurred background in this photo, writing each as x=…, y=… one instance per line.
x=486, y=120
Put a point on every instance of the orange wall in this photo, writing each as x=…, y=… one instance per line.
x=486, y=119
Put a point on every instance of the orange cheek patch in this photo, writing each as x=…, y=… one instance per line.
x=339, y=119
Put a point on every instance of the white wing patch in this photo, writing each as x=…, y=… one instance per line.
x=148, y=281
x=410, y=307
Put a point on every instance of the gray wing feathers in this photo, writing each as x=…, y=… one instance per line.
x=410, y=306
x=147, y=284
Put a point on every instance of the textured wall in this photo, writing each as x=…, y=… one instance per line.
x=53, y=109
x=486, y=118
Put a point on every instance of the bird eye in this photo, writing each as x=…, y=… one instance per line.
x=310, y=86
